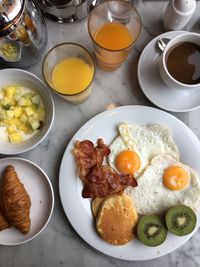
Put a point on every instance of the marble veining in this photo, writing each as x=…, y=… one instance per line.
x=58, y=244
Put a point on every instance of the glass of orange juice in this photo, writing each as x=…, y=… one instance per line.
x=68, y=68
x=114, y=27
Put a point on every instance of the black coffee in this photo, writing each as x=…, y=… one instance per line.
x=183, y=63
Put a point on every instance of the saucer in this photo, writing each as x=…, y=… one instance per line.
x=155, y=89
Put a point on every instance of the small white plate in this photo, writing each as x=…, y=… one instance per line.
x=155, y=89
x=78, y=209
x=40, y=190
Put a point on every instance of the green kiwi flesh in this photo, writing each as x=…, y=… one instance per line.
x=181, y=220
x=151, y=230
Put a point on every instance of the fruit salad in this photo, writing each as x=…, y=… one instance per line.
x=22, y=113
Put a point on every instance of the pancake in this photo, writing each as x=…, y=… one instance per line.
x=117, y=219
x=96, y=203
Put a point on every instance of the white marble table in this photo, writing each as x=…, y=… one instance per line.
x=59, y=244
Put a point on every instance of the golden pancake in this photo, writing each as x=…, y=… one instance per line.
x=96, y=203
x=117, y=219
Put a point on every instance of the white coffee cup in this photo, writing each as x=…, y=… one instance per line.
x=164, y=73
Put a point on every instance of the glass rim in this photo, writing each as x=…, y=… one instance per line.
x=62, y=44
x=126, y=3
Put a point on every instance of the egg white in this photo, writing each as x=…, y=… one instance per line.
x=152, y=197
x=147, y=141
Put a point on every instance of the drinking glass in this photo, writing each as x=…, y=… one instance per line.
x=59, y=53
x=113, y=11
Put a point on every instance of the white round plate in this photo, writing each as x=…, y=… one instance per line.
x=40, y=190
x=104, y=126
x=155, y=89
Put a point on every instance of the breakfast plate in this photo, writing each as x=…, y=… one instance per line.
x=40, y=191
x=155, y=89
x=78, y=209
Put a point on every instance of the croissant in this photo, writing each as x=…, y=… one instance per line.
x=3, y=223
x=15, y=201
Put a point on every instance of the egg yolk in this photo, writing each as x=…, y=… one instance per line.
x=175, y=178
x=127, y=162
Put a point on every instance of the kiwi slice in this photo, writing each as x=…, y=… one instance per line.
x=181, y=220
x=151, y=230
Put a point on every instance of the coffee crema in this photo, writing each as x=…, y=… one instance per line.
x=183, y=62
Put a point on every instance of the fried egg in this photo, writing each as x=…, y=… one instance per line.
x=164, y=183
x=133, y=149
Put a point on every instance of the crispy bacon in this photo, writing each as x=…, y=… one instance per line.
x=103, y=181
x=88, y=156
x=98, y=181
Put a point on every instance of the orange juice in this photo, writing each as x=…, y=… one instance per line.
x=114, y=27
x=114, y=43
x=71, y=76
x=113, y=36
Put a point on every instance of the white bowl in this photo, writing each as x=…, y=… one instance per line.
x=25, y=78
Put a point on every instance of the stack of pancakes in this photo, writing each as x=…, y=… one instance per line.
x=116, y=218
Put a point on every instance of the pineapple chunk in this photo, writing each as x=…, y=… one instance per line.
x=13, y=122
x=28, y=103
x=3, y=124
x=15, y=137
x=12, y=102
x=6, y=121
x=11, y=130
x=9, y=91
x=5, y=102
x=35, y=125
x=18, y=91
x=41, y=114
x=29, y=111
x=18, y=112
x=2, y=114
x=17, y=97
x=21, y=101
x=35, y=115
x=25, y=128
x=23, y=118
x=10, y=114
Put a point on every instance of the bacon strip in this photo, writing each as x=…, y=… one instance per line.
x=88, y=156
x=103, y=181
x=98, y=181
